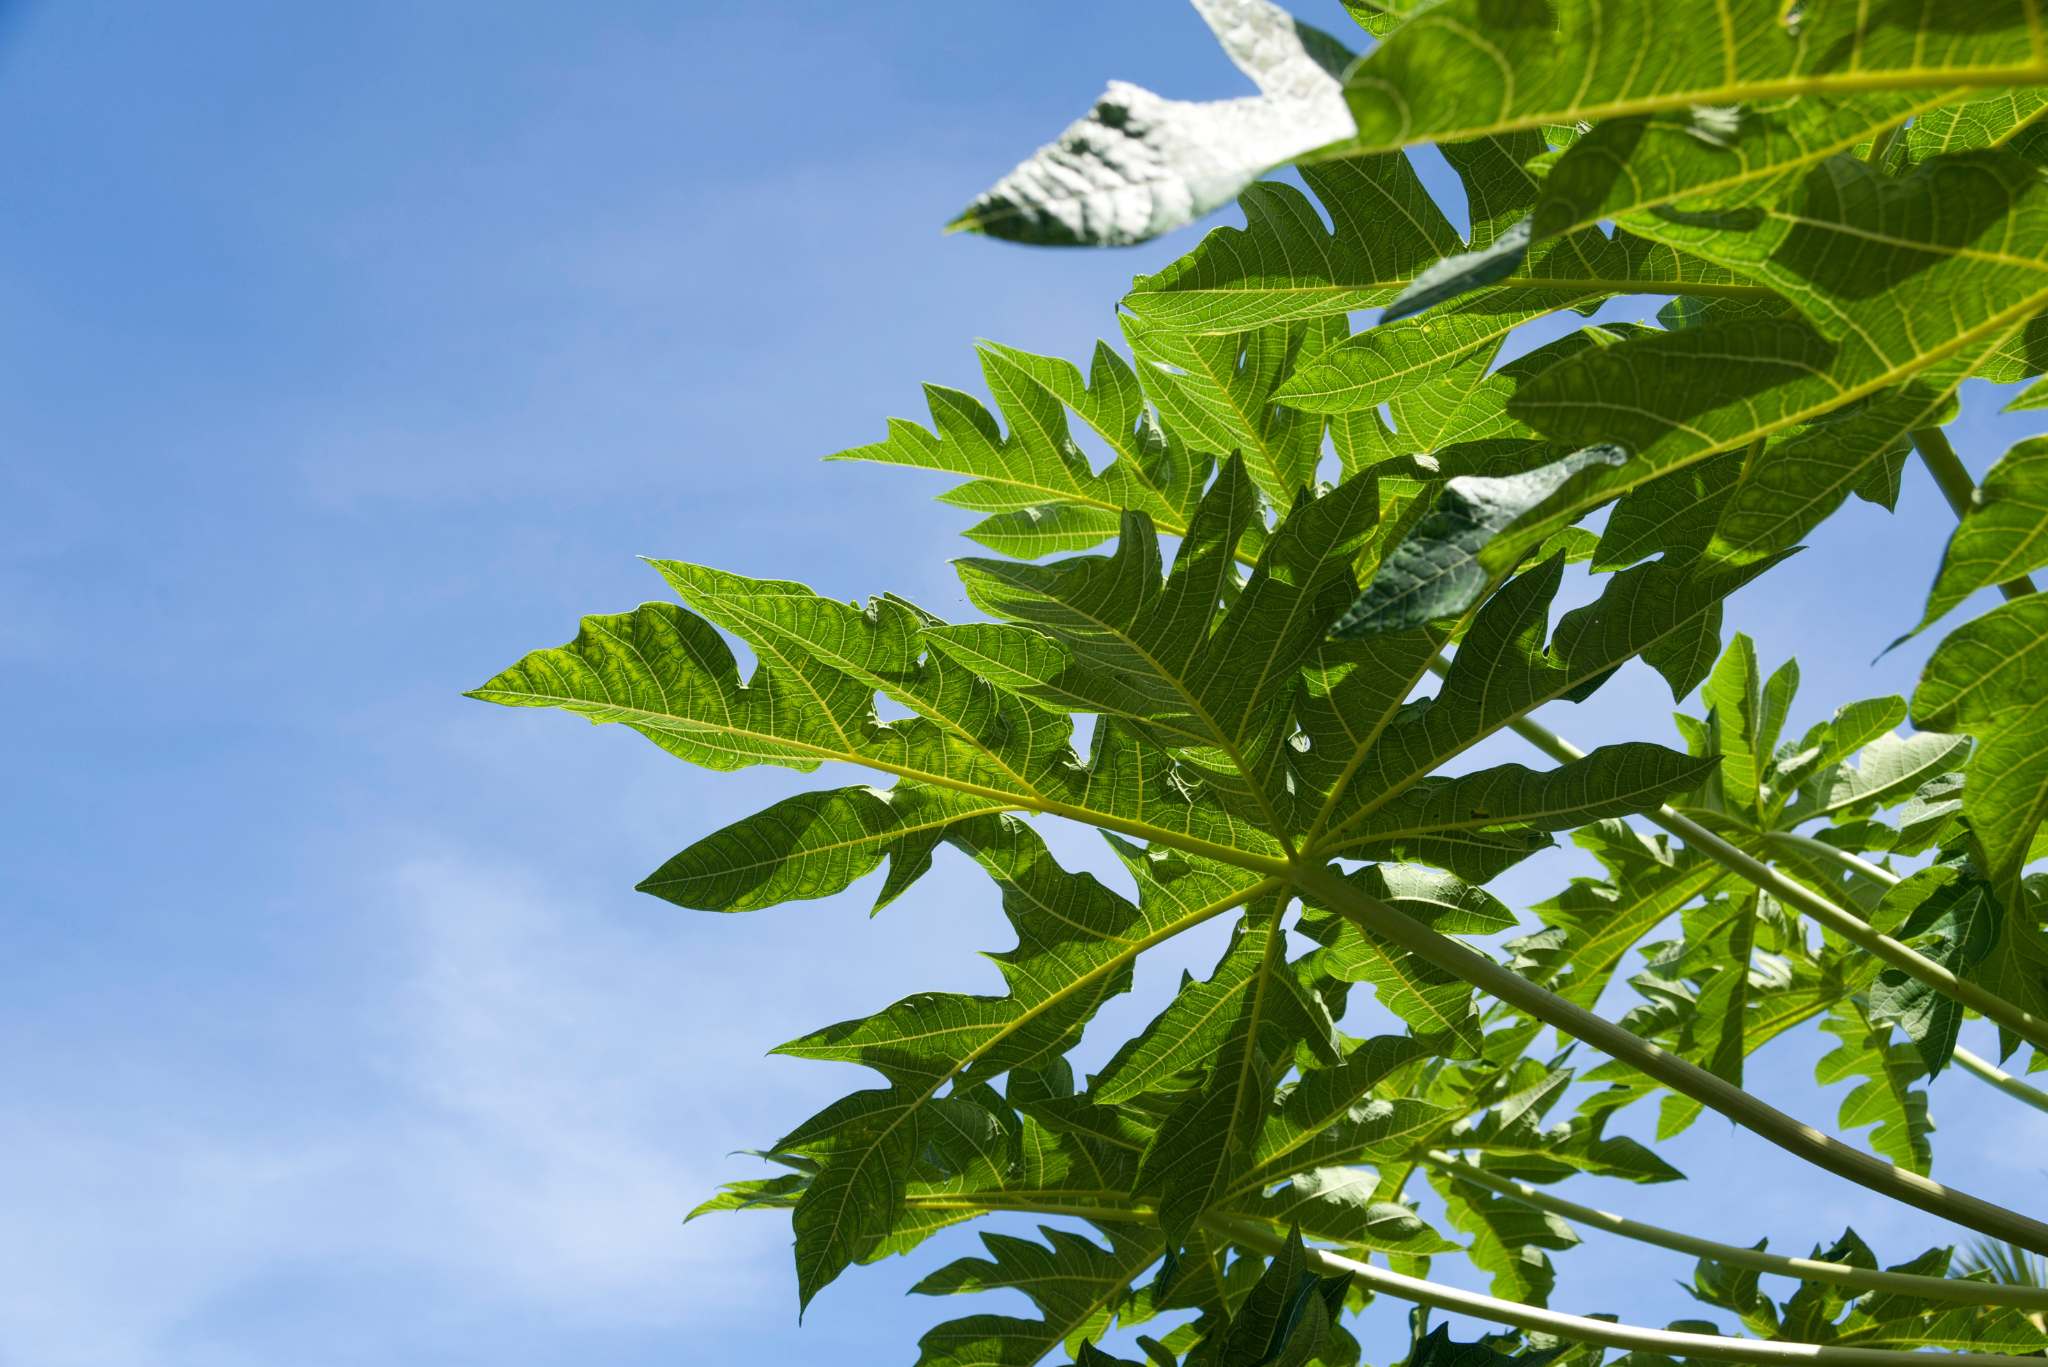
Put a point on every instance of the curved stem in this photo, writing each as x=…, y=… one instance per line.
x=1801, y=1140
x=1971, y=1063
x=1844, y=923
x=1855, y=929
x=1854, y=863
x=2002, y=1080
x=1668, y=1342
x=1806, y=1269
x=2029, y=1027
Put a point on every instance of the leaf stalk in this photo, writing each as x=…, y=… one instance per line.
x=1842, y=922
x=1801, y=1140
x=1805, y=1269
x=2005, y=1082
x=1581, y=1329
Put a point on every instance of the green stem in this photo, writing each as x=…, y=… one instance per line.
x=1806, y=1269
x=1958, y=488
x=1853, y=863
x=1385, y=923
x=1846, y=924
x=1667, y=1342
x=1851, y=927
x=2002, y=1080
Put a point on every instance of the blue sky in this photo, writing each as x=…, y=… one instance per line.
x=347, y=353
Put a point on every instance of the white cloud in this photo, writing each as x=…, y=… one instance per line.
x=552, y=1110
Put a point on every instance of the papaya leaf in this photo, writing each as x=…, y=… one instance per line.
x=1846, y=205
x=1436, y=573
x=1891, y=302
x=1952, y=918
x=2003, y=536
x=1077, y=1285
x=1579, y=61
x=1885, y=1096
x=1986, y=679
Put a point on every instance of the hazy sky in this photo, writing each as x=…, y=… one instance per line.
x=351, y=351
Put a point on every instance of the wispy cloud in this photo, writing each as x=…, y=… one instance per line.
x=552, y=1110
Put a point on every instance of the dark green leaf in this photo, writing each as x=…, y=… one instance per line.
x=1436, y=573
x=1987, y=680
x=2003, y=536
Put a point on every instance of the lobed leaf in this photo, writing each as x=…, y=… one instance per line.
x=1986, y=680
x=2003, y=536
x=1471, y=68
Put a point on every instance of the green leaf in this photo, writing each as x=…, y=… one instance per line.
x=1890, y=770
x=1990, y=118
x=1516, y=1143
x=1253, y=976
x=1218, y=679
x=869, y=1145
x=1285, y=1319
x=1901, y=286
x=1455, y=275
x=1987, y=679
x=1801, y=780
x=1707, y=159
x=1952, y=919
x=1331, y=1116
x=1034, y=482
x=1076, y=1284
x=1885, y=1097
x=1472, y=823
x=1139, y=164
x=1502, y=670
x=1432, y=1001
x=1441, y=75
x=1206, y=1141
x=1734, y=699
x=1283, y=264
x=757, y=1193
x=1508, y=1238
x=1091, y=1356
x=1340, y=1205
x=814, y=845
x=1436, y=1349
x=2004, y=534
x=1222, y=393
x=1717, y=1033
x=668, y=675
x=1674, y=515
x=1601, y=919
x=1076, y=943
x=1435, y=573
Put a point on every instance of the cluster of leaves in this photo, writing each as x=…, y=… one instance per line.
x=1217, y=647
x=1815, y=1313
x=1745, y=970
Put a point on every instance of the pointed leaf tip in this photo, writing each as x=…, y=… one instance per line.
x=1437, y=571
x=1460, y=274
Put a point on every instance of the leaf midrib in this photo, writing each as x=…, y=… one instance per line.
x=1032, y=801
x=1739, y=92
